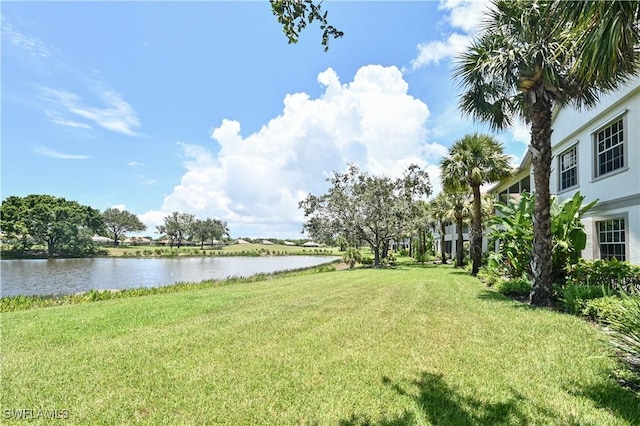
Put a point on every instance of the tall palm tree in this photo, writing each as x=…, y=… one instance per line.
x=523, y=64
x=460, y=210
x=473, y=161
x=438, y=208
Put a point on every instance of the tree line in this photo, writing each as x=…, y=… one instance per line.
x=180, y=227
x=66, y=227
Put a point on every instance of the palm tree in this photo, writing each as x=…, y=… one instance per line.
x=473, y=161
x=523, y=64
x=607, y=36
x=459, y=210
x=438, y=208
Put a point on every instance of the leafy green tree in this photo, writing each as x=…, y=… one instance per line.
x=523, y=64
x=177, y=227
x=119, y=222
x=420, y=235
x=360, y=206
x=65, y=227
x=294, y=15
x=473, y=161
x=208, y=230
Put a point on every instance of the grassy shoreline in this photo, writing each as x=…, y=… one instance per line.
x=411, y=345
x=19, y=303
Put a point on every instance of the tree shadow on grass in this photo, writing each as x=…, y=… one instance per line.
x=406, y=266
x=520, y=301
x=461, y=271
x=614, y=398
x=441, y=404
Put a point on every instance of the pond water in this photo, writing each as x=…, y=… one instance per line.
x=68, y=276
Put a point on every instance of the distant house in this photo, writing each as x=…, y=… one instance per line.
x=289, y=243
x=242, y=242
x=310, y=244
x=267, y=243
x=98, y=239
x=141, y=241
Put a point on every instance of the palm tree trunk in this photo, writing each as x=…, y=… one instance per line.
x=459, y=245
x=442, y=252
x=475, y=244
x=541, y=265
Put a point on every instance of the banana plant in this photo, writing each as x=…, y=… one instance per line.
x=512, y=228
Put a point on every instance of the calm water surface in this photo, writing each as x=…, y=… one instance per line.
x=68, y=276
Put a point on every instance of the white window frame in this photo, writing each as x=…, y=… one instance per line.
x=562, y=169
x=621, y=235
x=622, y=144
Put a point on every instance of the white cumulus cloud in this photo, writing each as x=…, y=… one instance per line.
x=462, y=19
x=466, y=15
x=434, y=51
x=255, y=182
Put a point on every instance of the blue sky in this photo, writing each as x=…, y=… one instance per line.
x=203, y=107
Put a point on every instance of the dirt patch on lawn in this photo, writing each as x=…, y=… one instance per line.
x=341, y=266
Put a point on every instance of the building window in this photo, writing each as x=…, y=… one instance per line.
x=611, y=236
x=610, y=148
x=515, y=190
x=448, y=248
x=569, y=168
x=525, y=184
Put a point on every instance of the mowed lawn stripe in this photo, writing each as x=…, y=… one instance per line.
x=412, y=345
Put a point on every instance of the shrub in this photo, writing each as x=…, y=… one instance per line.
x=390, y=260
x=573, y=297
x=601, y=308
x=489, y=277
x=367, y=260
x=352, y=256
x=624, y=328
x=403, y=252
x=514, y=287
x=614, y=275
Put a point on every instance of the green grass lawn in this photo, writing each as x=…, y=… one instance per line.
x=412, y=345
